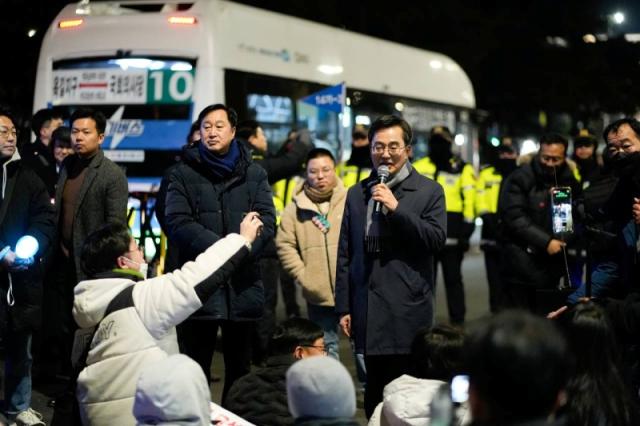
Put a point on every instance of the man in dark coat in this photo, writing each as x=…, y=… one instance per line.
x=385, y=268
x=25, y=209
x=39, y=154
x=209, y=192
x=260, y=397
x=91, y=192
x=533, y=255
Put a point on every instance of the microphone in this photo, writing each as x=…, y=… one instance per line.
x=383, y=176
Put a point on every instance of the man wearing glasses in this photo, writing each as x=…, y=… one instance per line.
x=534, y=258
x=385, y=268
x=25, y=209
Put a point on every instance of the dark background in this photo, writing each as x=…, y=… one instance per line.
x=530, y=68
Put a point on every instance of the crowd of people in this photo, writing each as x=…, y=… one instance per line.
x=362, y=239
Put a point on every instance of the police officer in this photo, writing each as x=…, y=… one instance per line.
x=458, y=180
x=490, y=178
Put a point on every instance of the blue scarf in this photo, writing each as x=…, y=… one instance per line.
x=220, y=165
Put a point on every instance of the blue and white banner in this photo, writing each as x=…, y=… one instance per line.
x=331, y=98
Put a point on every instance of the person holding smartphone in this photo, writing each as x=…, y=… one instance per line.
x=534, y=256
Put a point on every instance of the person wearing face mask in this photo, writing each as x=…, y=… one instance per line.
x=358, y=166
x=130, y=320
x=533, y=258
x=487, y=191
x=458, y=180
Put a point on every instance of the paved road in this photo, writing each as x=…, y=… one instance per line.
x=477, y=307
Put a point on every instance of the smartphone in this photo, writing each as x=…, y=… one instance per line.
x=561, y=215
x=460, y=389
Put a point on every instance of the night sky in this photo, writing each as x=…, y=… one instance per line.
x=508, y=48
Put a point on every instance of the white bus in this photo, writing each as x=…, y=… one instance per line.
x=152, y=65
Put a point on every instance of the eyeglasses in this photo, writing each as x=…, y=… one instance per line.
x=5, y=132
x=393, y=148
x=320, y=348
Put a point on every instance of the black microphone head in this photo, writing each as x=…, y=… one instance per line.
x=383, y=172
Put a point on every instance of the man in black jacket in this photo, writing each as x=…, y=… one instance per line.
x=25, y=209
x=261, y=397
x=533, y=254
x=209, y=192
x=39, y=154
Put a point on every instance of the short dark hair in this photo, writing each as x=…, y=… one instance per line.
x=42, y=116
x=63, y=135
x=96, y=116
x=247, y=129
x=517, y=363
x=291, y=333
x=5, y=111
x=615, y=126
x=232, y=115
x=320, y=152
x=103, y=247
x=554, y=138
x=387, y=121
x=436, y=353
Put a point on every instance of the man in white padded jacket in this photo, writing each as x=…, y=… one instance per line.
x=135, y=317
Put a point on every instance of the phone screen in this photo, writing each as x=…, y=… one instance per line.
x=561, y=210
x=460, y=389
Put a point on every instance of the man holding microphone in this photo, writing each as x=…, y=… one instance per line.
x=385, y=270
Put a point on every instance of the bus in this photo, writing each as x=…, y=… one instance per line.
x=152, y=65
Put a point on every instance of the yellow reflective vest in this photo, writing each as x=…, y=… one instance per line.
x=487, y=190
x=350, y=175
x=458, y=184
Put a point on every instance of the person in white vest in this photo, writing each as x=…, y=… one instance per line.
x=134, y=317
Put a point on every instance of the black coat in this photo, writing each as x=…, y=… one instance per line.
x=261, y=397
x=524, y=210
x=28, y=212
x=390, y=295
x=289, y=161
x=40, y=159
x=200, y=209
x=102, y=199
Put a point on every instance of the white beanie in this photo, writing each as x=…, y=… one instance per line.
x=320, y=387
x=173, y=391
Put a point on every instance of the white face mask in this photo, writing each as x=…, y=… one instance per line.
x=143, y=268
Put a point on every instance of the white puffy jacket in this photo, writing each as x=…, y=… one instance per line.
x=137, y=323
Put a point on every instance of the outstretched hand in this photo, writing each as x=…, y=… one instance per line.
x=251, y=226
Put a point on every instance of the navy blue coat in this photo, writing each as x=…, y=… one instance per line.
x=390, y=295
x=200, y=209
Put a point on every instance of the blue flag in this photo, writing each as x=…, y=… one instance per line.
x=331, y=98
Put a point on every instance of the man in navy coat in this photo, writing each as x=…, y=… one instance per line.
x=385, y=271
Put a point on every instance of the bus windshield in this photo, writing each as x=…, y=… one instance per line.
x=147, y=100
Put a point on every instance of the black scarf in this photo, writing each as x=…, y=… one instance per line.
x=222, y=166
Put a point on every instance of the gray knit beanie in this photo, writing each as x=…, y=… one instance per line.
x=320, y=387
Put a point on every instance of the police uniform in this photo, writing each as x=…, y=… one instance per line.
x=458, y=181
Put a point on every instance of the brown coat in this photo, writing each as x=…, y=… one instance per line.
x=305, y=252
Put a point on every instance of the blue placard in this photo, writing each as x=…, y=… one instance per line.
x=331, y=98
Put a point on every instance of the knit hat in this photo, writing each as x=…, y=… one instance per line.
x=320, y=387
x=173, y=392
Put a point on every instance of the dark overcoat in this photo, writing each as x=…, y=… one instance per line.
x=102, y=199
x=201, y=208
x=390, y=295
x=28, y=212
